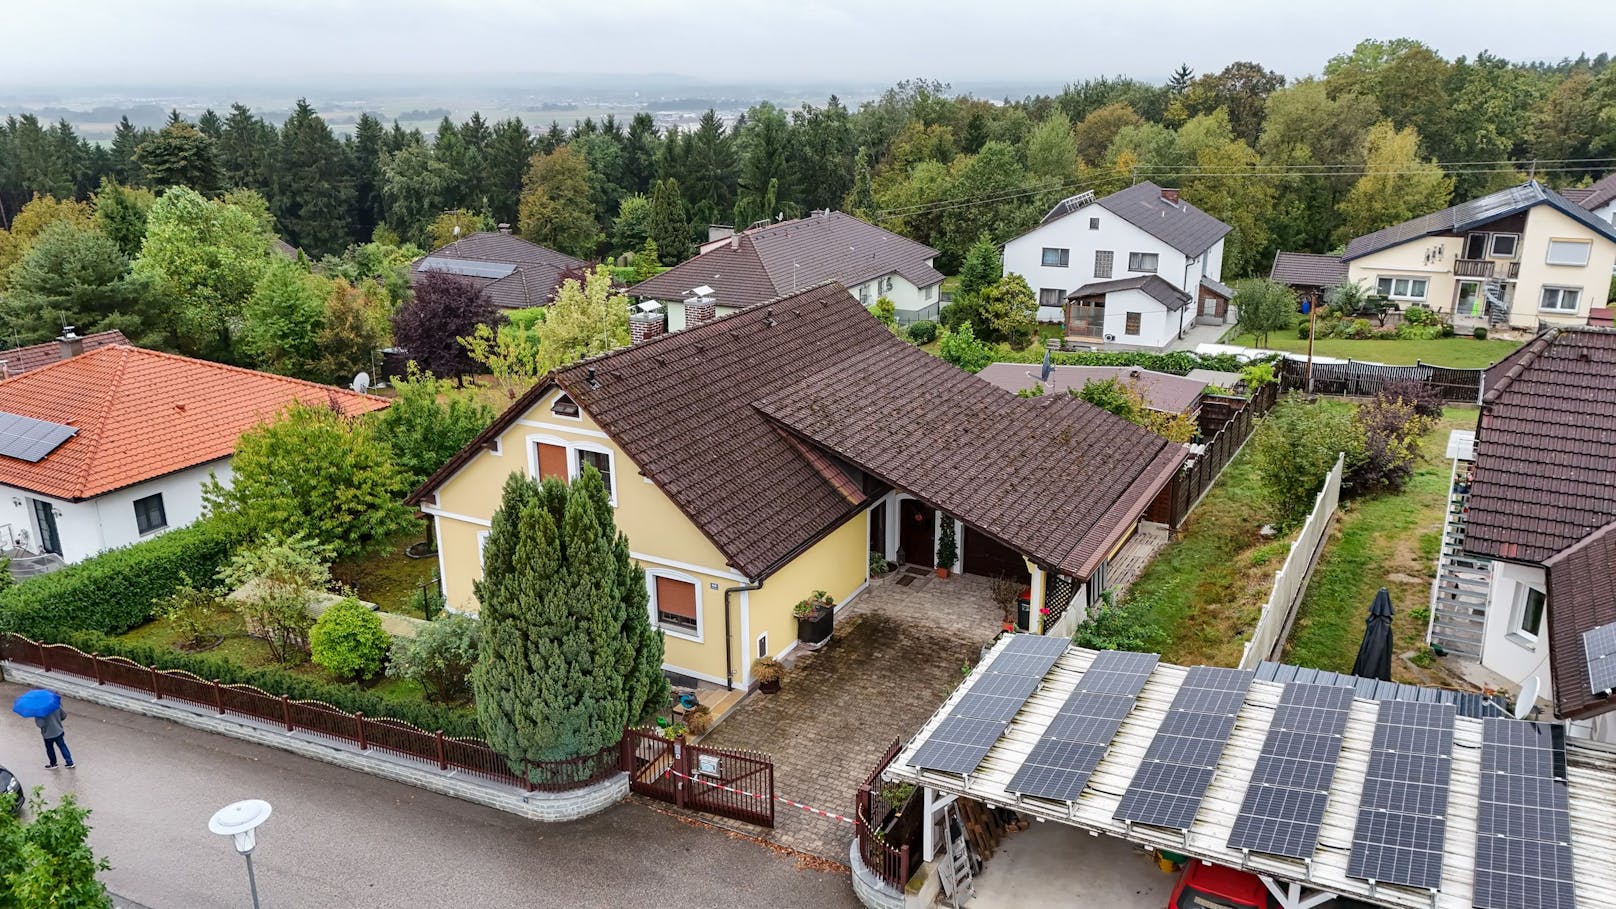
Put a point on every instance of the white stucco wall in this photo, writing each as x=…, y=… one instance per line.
x=108, y=521
x=1504, y=650
x=1157, y=326
x=1024, y=254
x=911, y=302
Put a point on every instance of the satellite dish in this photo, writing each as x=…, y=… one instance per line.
x=1527, y=701
x=361, y=383
x=457, y=230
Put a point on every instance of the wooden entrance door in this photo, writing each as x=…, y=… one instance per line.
x=988, y=557
x=916, y=533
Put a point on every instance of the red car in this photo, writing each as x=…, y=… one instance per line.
x=1205, y=886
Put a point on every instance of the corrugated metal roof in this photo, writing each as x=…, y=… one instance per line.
x=1591, y=781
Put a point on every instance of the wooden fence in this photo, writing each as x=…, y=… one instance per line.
x=316, y=718
x=1456, y=386
x=890, y=861
x=1190, y=484
x=1291, y=581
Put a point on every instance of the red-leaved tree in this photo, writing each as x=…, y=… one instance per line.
x=443, y=309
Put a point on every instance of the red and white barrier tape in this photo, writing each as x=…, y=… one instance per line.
x=761, y=798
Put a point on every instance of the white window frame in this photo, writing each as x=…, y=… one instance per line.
x=1492, y=246
x=1565, y=243
x=1140, y=257
x=927, y=291
x=1063, y=257
x=1409, y=281
x=762, y=648
x=572, y=446
x=555, y=399
x=651, y=574
x=1559, y=298
x=1523, y=593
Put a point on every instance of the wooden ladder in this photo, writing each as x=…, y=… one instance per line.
x=956, y=865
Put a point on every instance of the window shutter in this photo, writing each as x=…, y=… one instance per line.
x=552, y=461
x=676, y=598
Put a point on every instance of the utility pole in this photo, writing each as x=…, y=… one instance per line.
x=1312, y=323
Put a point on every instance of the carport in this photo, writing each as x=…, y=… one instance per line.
x=1484, y=857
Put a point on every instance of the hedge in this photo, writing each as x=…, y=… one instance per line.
x=1179, y=362
x=430, y=717
x=113, y=592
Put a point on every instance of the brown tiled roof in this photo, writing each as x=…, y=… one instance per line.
x=1597, y=195
x=1601, y=316
x=1546, y=447
x=537, y=271
x=725, y=419
x=1579, y=600
x=1154, y=286
x=1577, y=194
x=19, y=360
x=1307, y=269
x=142, y=414
x=779, y=259
x=1176, y=223
x=1163, y=391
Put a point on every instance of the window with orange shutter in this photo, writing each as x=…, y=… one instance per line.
x=675, y=603
x=552, y=461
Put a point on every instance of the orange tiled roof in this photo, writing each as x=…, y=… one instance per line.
x=142, y=414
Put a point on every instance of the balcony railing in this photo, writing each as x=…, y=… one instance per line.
x=1473, y=268
x=1514, y=270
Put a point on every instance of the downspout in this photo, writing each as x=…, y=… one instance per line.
x=729, y=649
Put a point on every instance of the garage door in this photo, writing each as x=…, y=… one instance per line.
x=990, y=558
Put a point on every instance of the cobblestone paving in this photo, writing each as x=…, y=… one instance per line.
x=896, y=655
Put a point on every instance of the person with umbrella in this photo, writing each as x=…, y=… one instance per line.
x=45, y=708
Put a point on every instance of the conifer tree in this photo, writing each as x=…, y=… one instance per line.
x=670, y=228
x=569, y=656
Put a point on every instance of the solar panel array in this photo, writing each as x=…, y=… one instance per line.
x=470, y=268
x=1059, y=766
x=1168, y=787
x=28, y=439
x=1402, y=816
x=967, y=734
x=1523, y=830
x=1284, y=803
x=1600, y=646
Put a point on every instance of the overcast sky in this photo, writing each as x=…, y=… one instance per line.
x=288, y=42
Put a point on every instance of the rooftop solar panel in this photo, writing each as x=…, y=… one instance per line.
x=28, y=439
x=958, y=745
x=470, y=268
x=1284, y=803
x=1523, y=825
x=1402, y=815
x=1168, y=787
x=1600, y=646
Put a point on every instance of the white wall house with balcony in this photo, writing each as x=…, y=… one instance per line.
x=1089, y=244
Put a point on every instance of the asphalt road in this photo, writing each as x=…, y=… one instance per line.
x=343, y=839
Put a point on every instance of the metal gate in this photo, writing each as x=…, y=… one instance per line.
x=732, y=784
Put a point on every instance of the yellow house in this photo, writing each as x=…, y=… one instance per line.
x=1519, y=256
x=763, y=456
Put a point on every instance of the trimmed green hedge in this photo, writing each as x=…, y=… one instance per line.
x=114, y=591
x=430, y=717
x=1179, y=362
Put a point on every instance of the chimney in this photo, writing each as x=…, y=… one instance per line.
x=69, y=344
x=1170, y=196
x=504, y=227
x=643, y=326
x=700, y=310
x=719, y=232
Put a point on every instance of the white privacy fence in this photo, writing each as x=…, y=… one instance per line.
x=1291, y=581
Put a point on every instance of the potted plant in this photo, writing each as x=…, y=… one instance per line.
x=699, y=719
x=1007, y=594
x=768, y=672
x=947, y=549
x=816, y=619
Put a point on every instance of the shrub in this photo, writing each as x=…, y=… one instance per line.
x=280, y=576
x=1424, y=397
x=1302, y=330
x=190, y=610
x=348, y=640
x=1447, y=329
x=1257, y=375
x=1411, y=332
x=428, y=600
x=923, y=332
x=278, y=682
x=1113, y=626
x=961, y=348
x=1479, y=333
x=1295, y=447
x=1420, y=315
x=440, y=657
x=116, y=590
x=1390, y=429
x=1178, y=362
x=886, y=311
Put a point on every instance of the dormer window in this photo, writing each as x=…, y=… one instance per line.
x=565, y=406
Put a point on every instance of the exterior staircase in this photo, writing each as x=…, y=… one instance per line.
x=1497, y=309
x=1459, y=593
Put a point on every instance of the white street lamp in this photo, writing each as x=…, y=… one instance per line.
x=241, y=821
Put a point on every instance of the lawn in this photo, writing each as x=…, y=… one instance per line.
x=1205, y=590
x=1387, y=540
x=390, y=579
x=1456, y=352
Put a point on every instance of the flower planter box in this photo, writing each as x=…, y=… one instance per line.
x=815, y=629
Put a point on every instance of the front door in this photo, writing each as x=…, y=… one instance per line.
x=45, y=518
x=916, y=535
x=1468, y=303
x=1209, y=306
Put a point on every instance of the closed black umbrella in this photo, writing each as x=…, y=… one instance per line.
x=1375, y=653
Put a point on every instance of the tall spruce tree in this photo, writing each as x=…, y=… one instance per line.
x=569, y=657
x=247, y=151
x=669, y=226
x=180, y=155
x=312, y=204
x=510, y=148
x=365, y=151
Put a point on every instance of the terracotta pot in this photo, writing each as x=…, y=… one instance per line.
x=1010, y=626
x=769, y=687
x=942, y=572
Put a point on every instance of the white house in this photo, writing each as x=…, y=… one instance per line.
x=1599, y=198
x=108, y=447
x=1089, y=259
x=737, y=270
x=1529, y=546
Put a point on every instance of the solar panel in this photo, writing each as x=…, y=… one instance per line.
x=28, y=439
x=1523, y=823
x=993, y=699
x=1168, y=787
x=1402, y=816
x=1600, y=646
x=1284, y=803
x=958, y=745
x=1059, y=766
x=470, y=268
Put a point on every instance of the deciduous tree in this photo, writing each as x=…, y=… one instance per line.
x=180, y=155
x=48, y=861
x=556, y=209
x=443, y=309
x=428, y=421
x=1264, y=306
x=1397, y=184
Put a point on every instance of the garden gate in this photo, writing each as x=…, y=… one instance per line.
x=732, y=784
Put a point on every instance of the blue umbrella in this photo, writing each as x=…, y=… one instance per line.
x=38, y=702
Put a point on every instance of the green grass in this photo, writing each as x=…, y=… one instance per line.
x=389, y=579
x=1456, y=352
x=1386, y=541
x=1206, y=589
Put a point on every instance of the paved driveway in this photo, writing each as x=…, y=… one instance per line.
x=897, y=653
